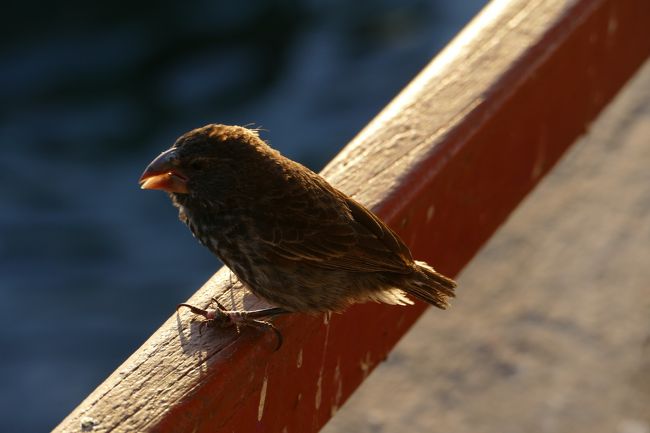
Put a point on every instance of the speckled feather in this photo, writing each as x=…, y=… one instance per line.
x=287, y=234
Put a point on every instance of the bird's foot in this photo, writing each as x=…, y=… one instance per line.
x=223, y=317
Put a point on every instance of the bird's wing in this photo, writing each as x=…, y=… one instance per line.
x=329, y=230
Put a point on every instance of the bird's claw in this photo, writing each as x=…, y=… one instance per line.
x=222, y=318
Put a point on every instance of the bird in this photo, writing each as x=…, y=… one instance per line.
x=287, y=234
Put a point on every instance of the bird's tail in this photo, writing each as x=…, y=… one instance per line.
x=431, y=286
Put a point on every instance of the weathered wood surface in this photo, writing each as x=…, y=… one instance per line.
x=444, y=164
x=553, y=334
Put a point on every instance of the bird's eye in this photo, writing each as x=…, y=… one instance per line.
x=197, y=164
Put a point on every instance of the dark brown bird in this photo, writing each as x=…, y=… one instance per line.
x=283, y=230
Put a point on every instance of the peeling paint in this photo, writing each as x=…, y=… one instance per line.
x=430, y=211
x=365, y=365
x=612, y=24
x=338, y=382
x=319, y=390
x=260, y=408
x=299, y=361
x=540, y=157
x=337, y=370
x=319, y=383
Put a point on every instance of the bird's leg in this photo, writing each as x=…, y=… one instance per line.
x=212, y=316
x=222, y=317
x=253, y=318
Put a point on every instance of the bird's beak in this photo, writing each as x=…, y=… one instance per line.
x=163, y=173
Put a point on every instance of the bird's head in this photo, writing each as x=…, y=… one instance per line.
x=204, y=159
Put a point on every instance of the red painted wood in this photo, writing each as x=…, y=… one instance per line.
x=444, y=164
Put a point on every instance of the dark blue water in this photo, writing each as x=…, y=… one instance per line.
x=90, y=265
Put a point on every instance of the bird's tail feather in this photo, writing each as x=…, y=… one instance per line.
x=431, y=286
x=394, y=296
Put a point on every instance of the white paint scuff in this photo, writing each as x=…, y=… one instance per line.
x=260, y=408
x=319, y=390
x=299, y=361
x=338, y=382
x=365, y=365
x=430, y=211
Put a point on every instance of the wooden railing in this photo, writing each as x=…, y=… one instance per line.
x=444, y=164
